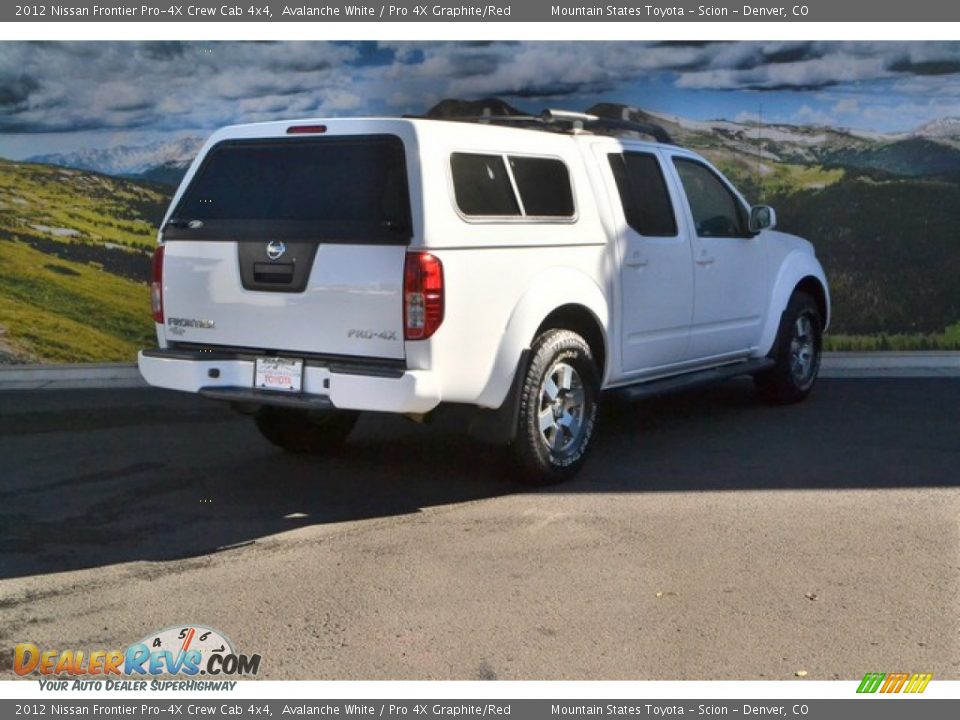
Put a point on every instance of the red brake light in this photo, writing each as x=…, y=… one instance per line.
x=422, y=295
x=156, y=285
x=306, y=129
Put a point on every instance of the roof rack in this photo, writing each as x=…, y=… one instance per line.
x=577, y=120
x=561, y=121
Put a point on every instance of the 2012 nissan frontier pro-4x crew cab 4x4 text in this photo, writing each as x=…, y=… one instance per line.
x=309, y=271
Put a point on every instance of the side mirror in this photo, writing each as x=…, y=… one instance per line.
x=762, y=217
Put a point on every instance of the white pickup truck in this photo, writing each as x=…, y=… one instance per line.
x=311, y=270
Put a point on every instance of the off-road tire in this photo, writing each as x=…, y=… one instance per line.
x=559, y=394
x=796, y=353
x=302, y=432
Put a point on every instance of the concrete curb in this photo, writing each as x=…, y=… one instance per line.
x=126, y=375
x=70, y=377
x=890, y=364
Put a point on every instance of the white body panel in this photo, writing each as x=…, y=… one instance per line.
x=655, y=276
x=351, y=305
x=790, y=261
x=731, y=283
x=502, y=278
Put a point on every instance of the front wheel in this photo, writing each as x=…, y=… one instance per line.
x=299, y=431
x=558, y=408
x=796, y=353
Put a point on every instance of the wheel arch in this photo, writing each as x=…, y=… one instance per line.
x=560, y=298
x=799, y=271
x=579, y=319
x=815, y=289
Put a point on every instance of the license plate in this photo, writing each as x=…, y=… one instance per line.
x=278, y=374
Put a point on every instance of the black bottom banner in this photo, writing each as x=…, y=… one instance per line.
x=873, y=707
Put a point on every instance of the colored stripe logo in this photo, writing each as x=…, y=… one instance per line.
x=894, y=682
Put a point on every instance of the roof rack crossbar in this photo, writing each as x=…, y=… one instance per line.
x=577, y=120
x=654, y=131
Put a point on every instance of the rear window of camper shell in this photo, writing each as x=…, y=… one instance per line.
x=349, y=189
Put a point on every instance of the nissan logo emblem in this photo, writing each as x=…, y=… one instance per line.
x=275, y=249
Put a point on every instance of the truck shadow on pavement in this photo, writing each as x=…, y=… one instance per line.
x=123, y=486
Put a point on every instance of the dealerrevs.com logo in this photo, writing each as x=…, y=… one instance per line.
x=179, y=651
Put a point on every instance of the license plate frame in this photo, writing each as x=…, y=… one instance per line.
x=277, y=374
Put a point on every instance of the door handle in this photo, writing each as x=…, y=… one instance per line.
x=705, y=260
x=635, y=259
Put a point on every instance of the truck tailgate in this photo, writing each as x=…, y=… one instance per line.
x=351, y=304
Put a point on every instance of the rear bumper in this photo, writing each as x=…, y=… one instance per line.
x=324, y=386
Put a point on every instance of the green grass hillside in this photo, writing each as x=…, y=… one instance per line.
x=74, y=264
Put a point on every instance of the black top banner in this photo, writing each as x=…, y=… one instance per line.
x=482, y=11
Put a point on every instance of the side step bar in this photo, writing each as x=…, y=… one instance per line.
x=662, y=386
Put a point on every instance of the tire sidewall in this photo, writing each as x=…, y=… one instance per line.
x=556, y=347
x=799, y=306
x=778, y=384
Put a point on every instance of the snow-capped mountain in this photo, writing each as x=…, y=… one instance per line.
x=130, y=160
x=946, y=127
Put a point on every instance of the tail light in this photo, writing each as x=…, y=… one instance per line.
x=156, y=285
x=422, y=295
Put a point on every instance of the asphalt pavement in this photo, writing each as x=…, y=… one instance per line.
x=709, y=536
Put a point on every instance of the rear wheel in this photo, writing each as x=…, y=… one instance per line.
x=797, y=353
x=299, y=431
x=558, y=408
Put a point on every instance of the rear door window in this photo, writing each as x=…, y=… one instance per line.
x=643, y=194
x=334, y=189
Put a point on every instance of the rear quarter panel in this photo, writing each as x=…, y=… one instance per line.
x=503, y=277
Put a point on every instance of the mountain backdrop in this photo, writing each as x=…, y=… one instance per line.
x=77, y=229
x=163, y=162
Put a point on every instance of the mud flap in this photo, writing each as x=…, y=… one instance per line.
x=499, y=426
x=779, y=336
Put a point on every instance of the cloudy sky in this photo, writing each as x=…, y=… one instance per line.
x=60, y=97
